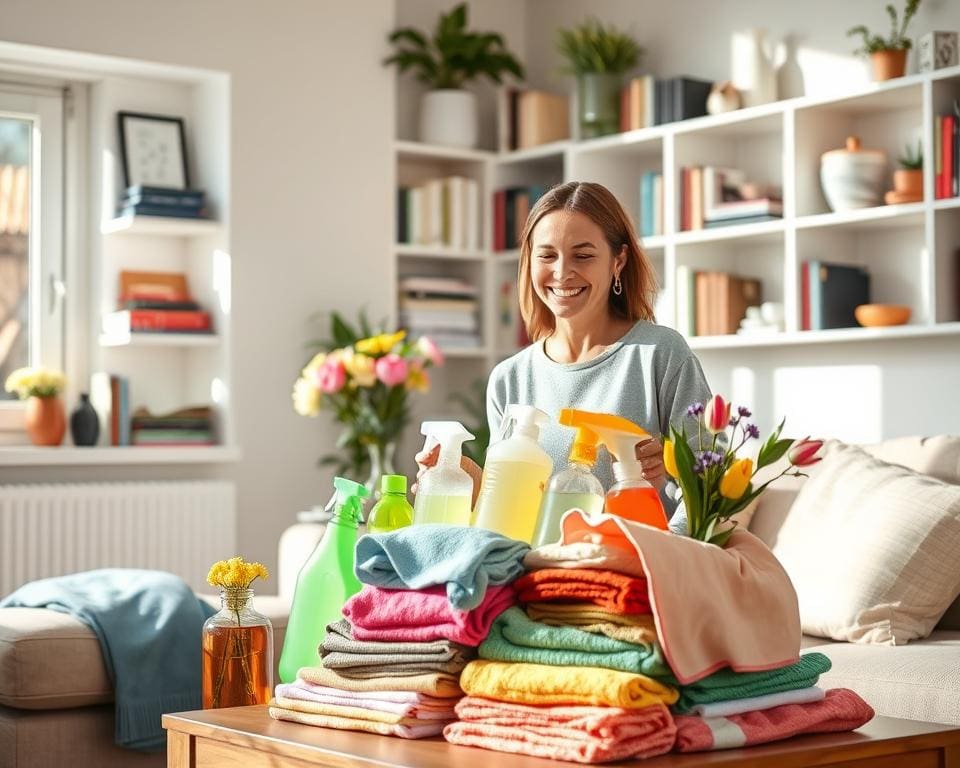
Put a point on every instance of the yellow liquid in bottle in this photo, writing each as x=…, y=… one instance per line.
x=450, y=510
x=510, y=495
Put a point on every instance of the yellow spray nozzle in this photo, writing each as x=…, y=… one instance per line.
x=618, y=434
x=584, y=448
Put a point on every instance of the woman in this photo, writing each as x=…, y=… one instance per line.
x=586, y=296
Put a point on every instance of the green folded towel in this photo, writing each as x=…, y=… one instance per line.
x=517, y=638
x=727, y=684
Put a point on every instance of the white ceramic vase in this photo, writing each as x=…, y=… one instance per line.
x=449, y=117
x=752, y=70
x=853, y=177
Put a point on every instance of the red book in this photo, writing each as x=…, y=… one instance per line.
x=805, y=296
x=948, y=128
x=169, y=320
x=500, y=220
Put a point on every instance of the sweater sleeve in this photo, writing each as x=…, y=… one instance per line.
x=687, y=386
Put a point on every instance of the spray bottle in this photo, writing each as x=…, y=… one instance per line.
x=574, y=487
x=514, y=476
x=393, y=510
x=445, y=491
x=631, y=496
x=325, y=582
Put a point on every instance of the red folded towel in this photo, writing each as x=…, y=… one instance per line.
x=841, y=710
x=580, y=734
x=614, y=591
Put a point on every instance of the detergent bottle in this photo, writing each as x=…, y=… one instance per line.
x=445, y=491
x=514, y=476
x=324, y=583
x=393, y=510
x=631, y=496
x=574, y=487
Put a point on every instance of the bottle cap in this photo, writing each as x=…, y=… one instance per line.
x=393, y=484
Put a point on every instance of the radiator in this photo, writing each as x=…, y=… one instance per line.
x=59, y=528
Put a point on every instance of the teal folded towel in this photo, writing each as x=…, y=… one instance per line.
x=516, y=637
x=149, y=626
x=466, y=560
x=727, y=684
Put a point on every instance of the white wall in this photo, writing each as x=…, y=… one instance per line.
x=311, y=131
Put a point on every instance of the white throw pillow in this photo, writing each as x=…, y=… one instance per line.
x=872, y=549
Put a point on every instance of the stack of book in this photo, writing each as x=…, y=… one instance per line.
x=443, y=308
x=651, y=204
x=829, y=294
x=186, y=426
x=511, y=332
x=155, y=302
x=713, y=303
x=510, y=209
x=946, y=145
x=529, y=118
x=711, y=196
x=440, y=212
x=140, y=200
x=645, y=101
x=110, y=398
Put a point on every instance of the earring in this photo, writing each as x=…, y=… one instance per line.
x=617, y=286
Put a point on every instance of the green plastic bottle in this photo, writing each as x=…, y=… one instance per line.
x=393, y=510
x=325, y=582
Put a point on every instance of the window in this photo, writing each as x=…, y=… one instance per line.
x=31, y=233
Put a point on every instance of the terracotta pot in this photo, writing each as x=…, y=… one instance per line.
x=45, y=420
x=889, y=64
x=908, y=182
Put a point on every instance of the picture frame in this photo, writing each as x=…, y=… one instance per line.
x=153, y=150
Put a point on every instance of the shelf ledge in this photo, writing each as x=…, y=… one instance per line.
x=159, y=340
x=413, y=250
x=64, y=456
x=159, y=225
x=793, y=338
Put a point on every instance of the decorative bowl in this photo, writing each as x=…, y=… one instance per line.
x=853, y=177
x=878, y=315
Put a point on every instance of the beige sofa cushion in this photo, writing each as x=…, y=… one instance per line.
x=51, y=660
x=871, y=549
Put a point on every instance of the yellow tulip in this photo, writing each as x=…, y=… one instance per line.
x=361, y=368
x=736, y=479
x=670, y=459
x=379, y=345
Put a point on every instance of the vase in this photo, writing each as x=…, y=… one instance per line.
x=752, y=66
x=888, y=64
x=723, y=98
x=598, y=103
x=45, y=420
x=84, y=422
x=852, y=177
x=448, y=116
x=237, y=653
x=381, y=463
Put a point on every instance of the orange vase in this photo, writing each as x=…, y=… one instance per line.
x=45, y=420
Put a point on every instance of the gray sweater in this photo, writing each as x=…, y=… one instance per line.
x=650, y=377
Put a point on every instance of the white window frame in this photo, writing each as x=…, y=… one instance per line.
x=44, y=108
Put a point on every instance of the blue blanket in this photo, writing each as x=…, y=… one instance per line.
x=149, y=626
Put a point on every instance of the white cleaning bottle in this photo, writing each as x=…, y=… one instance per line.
x=445, y=491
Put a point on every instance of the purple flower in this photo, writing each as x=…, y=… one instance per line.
x=744, y=412
x=705, y=460
x=695, y=410
x=733, y=422
x=752, y=430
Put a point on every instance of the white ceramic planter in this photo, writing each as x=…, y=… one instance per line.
x=853, y=177
x=449, y=117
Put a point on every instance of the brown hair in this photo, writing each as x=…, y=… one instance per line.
x=597, y=203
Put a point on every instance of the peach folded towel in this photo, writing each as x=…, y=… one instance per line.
x=438, y=684
x=396, y=703
x=585, y=554
x=407, y=729
x=637, y=628
x=714, y=607
x=401, y=615
x=607, y=589
x=546, y=685
x=579, y=734
x=840, y=710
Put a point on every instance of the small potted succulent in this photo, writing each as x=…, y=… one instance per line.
x=598, y=57
x=445, y=62
x=908, y=179
x=888, y=55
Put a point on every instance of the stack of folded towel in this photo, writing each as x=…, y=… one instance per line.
x=392, y=665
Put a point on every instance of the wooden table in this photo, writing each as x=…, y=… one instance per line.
x=247, y=737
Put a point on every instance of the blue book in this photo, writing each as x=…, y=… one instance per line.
x=175, y=211
x=140, y=193
x=647, y=224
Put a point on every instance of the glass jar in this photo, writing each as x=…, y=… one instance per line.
x=237, y=653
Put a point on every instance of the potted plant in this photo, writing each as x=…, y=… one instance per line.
x=889, y=55
x=44, y=419
x=908, y=179
x=598, y=57
x=445, y=63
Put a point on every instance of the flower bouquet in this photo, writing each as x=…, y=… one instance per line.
x=714, y=481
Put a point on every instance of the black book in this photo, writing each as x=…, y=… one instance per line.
x=659, y=116
x=688, y=97
x=842, y=289
x=402, y=195
x=190, y=306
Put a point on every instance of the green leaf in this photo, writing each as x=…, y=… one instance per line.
x=772, y=453
x=688, y=481
x=720, y=539
x=343, y=334
x=410, y=35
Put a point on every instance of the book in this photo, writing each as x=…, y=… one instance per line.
x=172, y=211
x=126, y=321
x=153, y=286
x=734, y=209
x=542, y=117
x=688, y=98
x=716, y=223
x=835, y=291
x=159, y=304
x=141, y=193
x=686, y=307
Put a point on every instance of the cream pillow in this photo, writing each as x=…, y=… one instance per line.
x=872, y=549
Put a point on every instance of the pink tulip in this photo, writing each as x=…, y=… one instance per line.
x=391, y=369
x=716, y=415
x=802, y=453
x=331, y=376
x=429, y=349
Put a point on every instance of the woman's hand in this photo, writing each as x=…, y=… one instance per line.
x=650, y=456
x=427, y=459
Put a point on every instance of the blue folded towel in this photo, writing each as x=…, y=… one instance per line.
x=467, y=560
x=149, y=626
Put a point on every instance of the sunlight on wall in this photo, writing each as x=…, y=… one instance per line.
x=743, y=389
x=221, y=279
x=826, y=73
x=841, y=401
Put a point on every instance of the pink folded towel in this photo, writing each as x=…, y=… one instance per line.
x=399, y=615
x=399, y=703
x=580, y=734
x=840, y=710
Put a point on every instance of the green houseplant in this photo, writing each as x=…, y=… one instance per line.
x=908, y=178
x=598, y=56
x=888, y=54
x=445, y=62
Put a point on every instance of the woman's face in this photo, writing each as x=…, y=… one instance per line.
x=572, y=267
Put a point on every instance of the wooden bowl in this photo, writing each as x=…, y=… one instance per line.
x=878, y=315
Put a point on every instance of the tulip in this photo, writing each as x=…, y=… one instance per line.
x=380, y=344
x=331, y=377
x=803, y=452
x=429, y=349
x=391, y=369
x=736, y=479
x=670, y=459
x=417, y=379
x=360, y=367
x=716, y=415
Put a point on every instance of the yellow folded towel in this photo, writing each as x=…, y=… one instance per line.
x=639, y=629
x=438, y=684
x=337, y=710
x=542, y=684
x=408, y=728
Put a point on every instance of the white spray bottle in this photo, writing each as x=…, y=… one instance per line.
x=445, y=491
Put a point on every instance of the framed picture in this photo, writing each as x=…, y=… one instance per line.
x=154, y=150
